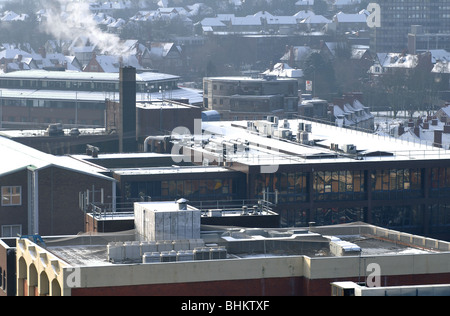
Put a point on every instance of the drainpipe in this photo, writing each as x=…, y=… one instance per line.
x=33, y=200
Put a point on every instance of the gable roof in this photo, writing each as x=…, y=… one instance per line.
x=18, y=157
x=161, y=50
x=113, y=63
x=342, y=17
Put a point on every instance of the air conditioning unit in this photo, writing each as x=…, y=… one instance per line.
x=308, y=128
x=350, y=149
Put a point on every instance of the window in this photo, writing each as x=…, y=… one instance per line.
x=397, y=183
x=339, y=185
x=11, y=230
x=12, y=196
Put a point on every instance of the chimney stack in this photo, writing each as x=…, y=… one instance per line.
x=447, y=129
x=437, y=139
x=128, y=126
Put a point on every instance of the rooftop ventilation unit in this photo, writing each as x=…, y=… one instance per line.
x=308, y=128
x=350, y=149
x=303, y=138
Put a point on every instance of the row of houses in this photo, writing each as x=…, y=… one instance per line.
x=432, y=129
x=265, y=22
x=437, y=61
x=81, y=55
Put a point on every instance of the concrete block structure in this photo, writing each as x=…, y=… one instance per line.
x=163, y=221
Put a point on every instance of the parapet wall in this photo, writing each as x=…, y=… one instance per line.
x=384, y=233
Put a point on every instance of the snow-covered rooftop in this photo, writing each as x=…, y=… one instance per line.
x=275, y=151
x=16, y=156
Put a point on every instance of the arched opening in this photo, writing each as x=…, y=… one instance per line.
x=44, y=284
x=32, y=281
x=56, y=288
x=22, y=284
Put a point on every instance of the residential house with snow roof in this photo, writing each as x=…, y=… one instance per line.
x=282, y=70
x=314, y=23
x=441, y=72
x=110, y=6
x=112, y=64
x=429, y=130
x=295, y=55
x=116, y=26
x=390, y=63
x=281, y=24
x=303, y=14
x=443, y=114
x=345, y=22
x=245, y=24
x=11, y=16
x=349, y=111
x=166, y=57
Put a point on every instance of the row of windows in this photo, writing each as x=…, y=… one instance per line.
x=49, y=120
x=85, y=85
x=339, y=185
x=217, y=189
x=344, y=185
x=440, y=182
x=290, y=187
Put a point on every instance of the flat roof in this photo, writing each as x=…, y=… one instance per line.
x=169, y=170
x=41, y=132
x=273, y=150
x=91, y=250
x=164, y=206
x=180, y=93
x=249, y=78
x=84, y=76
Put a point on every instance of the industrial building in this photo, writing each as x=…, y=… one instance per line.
x=325, y=174
x=128, y=122
x=36, y=98
x=311, y=172
x=227, y=262
x=243, y=98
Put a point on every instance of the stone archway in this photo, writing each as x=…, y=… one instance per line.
x=44, y=284
x=22, y=278
x=32, y=280
x=55, y=288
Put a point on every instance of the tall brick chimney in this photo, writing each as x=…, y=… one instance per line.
x=127, y=128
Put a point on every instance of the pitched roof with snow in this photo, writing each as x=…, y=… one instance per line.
x=16, y=156
x=398, y=60
x=284, y=71
x=342, y=17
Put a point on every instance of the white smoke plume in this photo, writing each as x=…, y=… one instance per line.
x=68, y=19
